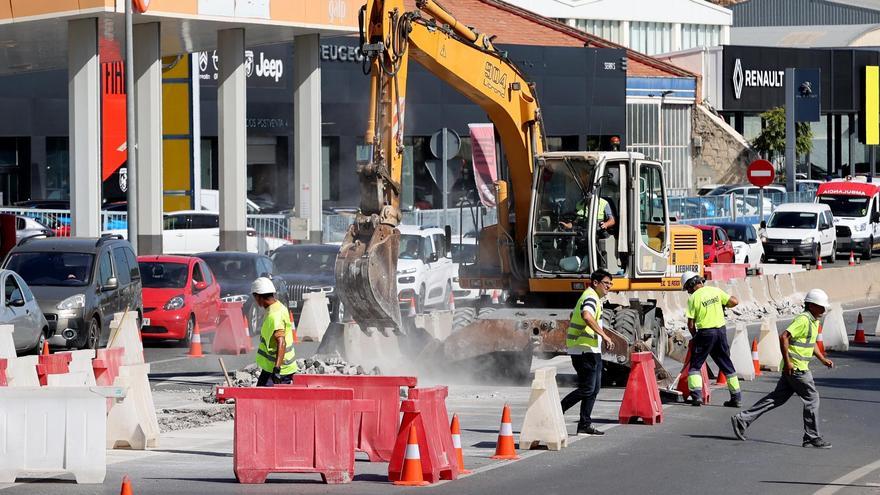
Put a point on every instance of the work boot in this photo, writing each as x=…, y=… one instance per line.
x=733, y=402
x=589, y=430
x=696, y=402
x=739, y=428
x=817, y=443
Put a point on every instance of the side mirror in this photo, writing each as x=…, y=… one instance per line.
x=112, y=284
x=16, y=303
x=875, y=218
x=201, y=285
x=433, y=257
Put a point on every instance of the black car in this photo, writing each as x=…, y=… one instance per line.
x=80, y=283
x=309, y=268
x=235, y=272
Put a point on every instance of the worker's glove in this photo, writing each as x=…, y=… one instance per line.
x=276, y=375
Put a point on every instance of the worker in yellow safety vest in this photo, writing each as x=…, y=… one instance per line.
x=798, y=343
x=276, y=333
x=584, y=341
x=708, y=328
x=604, y=221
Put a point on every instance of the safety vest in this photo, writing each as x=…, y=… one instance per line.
x=600, y=212
x=582, y=338
x=804, y=330
x=276, y=316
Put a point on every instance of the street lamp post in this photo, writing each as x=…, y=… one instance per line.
x=131, y=145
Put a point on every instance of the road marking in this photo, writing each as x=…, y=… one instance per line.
x=848, y=478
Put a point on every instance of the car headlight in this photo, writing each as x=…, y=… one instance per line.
x=861, y=227
x=242, y=298
x=808, y=240
x=73, y=302
x=406, y=280
x=408, y=270
x=175, y=302
x=706, y=256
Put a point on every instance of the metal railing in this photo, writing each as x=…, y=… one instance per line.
x=732, y=207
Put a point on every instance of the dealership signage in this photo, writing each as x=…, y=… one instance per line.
x=266, y=66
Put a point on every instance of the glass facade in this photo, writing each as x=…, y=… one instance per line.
x=609, y=30
x=697, y=35
x=650, y=37
x=663, y=134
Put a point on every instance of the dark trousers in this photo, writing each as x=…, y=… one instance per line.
x=589, y=373
x=712, y=342
x=265, y=379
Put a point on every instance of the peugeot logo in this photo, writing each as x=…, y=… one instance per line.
x=784, y=241
x=806, y=88
x=737, y=79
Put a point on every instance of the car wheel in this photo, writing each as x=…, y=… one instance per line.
x=92, y=335
x=253, y=320
x=40, y=341
x=869, y=251
x=190, y=329
x=833, y=257
x=420, y=300
x=816, y=253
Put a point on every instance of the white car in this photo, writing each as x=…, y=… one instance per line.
x=800, y=231
x=424, y=268
x=747, y=247
x=191, y=232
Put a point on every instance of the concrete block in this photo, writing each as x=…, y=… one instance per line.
x=315, y=317
x=133, y=422
x=758, y=286
x=834, y=330
x=124, y=333
x=769, y=353
x=438, y=324
x=7, y=344
x=22, y=372
x=544, y=422
x=372, y=348
x=741, y=353
x=54, y=430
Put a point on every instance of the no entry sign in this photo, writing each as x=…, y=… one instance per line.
x=761, y=173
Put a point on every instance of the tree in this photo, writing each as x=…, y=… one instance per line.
x=771, y=140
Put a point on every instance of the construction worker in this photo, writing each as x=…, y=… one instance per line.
x=584, y=341
x=706, y=323
x=276, y=333
x=798, y=343
x=604, y=221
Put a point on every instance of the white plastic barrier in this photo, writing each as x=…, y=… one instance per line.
x=544, y=422
x=70, y=379
x=7, y=344
x=741, y=353
x=438, y=324
x=133, y=422
x=124, y=333
x=81, y=363
x=834, y=330
x=54, y=430
x=769, y=353
x=22, y=372
x=315, y=317
x=877, y=328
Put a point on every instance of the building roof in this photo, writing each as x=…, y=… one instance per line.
x=517, y=26
x=807, y=36
x=671, y=11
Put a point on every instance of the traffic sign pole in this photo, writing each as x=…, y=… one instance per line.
x=761, y=204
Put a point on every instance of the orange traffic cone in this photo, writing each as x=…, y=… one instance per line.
x=412, y=306
x=505, y=447
x=451, y=301
x=293, y=326
x=755, y=360
x=195, y=348
x=126, y=486
x=411, y=474
x=455, y=428
x=852, y=258
x=721, y=380
x=819, y=264
x=820, y=342
x=46, y=348
x=860, y=331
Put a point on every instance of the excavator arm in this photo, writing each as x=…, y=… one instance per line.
x=467, y=61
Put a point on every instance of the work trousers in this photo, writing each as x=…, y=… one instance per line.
x=265, y=379
x=589, y=372
x=711, y=342
x=800, y=383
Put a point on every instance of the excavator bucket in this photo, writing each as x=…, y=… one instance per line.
x=366, y=270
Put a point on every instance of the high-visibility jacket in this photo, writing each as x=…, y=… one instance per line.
x=277, y=318
x=804, y=330
x=581, y=338
x=600, y=211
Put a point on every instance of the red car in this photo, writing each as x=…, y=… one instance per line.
x=717, y=247
x=178, y=292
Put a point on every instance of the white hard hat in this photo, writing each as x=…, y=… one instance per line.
x=262, y=286
x=687, y=277
x=818, y=297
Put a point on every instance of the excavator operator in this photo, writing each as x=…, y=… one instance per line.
x=579, y=224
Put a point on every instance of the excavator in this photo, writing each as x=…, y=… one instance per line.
x=535, y=251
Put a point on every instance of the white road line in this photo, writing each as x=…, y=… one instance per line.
x=848, y=478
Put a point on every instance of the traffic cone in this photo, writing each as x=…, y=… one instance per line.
x=860, y=331
x=721, y=380
x=505, y=448
x=195, y=348
x=456, y=442
x=411, y=474
x=293, y=326
x=412, y=306
x=451, y=301
x=755, y=360
x=126, y=486
x=495, y=297
x=852, y=258
x=46, y=348
x=820, y=342
x=819, y=264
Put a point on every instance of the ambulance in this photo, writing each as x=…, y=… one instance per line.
x=855, y=204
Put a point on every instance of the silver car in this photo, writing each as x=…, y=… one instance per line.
x=19, y=308
x=30, y=227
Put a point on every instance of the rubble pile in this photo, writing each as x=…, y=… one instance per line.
x=316, y=365
x=185, y=418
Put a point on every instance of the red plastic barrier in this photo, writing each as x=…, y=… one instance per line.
x=53, y=364
x=641, y=399
x=3, y=372
x=682, y=385
x=426, y=409
x=726, y=271
x=376, y=430
x=106, y=365
x=292, y=430
x=232, y=332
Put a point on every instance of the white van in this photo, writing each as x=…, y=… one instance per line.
x=802, y=231
x=856, y=208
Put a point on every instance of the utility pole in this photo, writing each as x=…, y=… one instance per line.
x=130, y=136
x=790, y=130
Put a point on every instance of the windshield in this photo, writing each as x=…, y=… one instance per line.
x=156, y=275
x=52, y=269
x=736, y=234
x=307, y=261
x=464, y=253
x=232, y=269
x=410, y=247
x=707, y=237
x=792, y=220
x=846, y=206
